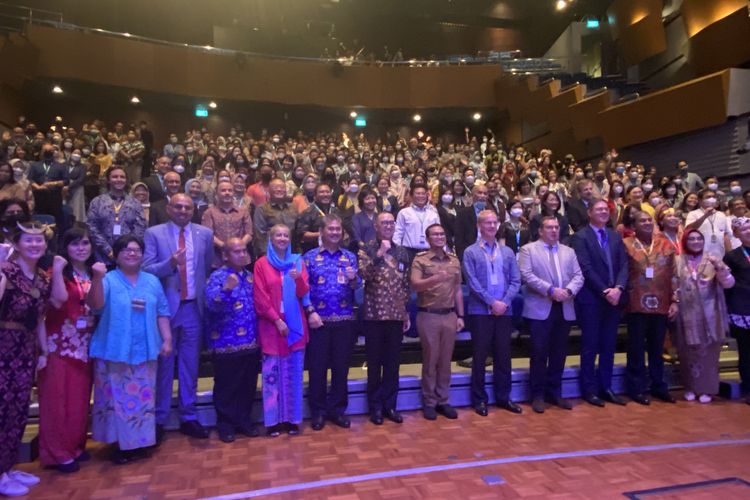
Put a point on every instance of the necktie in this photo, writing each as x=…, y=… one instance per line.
x=603, y=238
x=183, y=265
x=604, y=242
x=553, y=267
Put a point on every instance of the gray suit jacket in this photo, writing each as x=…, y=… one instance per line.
x=536, y=274
x=161, y=244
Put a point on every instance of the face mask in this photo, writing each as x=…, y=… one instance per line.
x=470, y=179
x=480, y=205
x=240, y=161
x=713, y=186
x=208, y=177
x=655, y=201
x=677, y=181
x=516, y=212
x=527, y=201
x=735, y=189
x=671, y=191
x=48, y=155
x=173, y=140
x=599, y=177
x=17, y=174
x=224, y=178
x=189, y=150
x=340, y=159
x=353, y=188
x=633, y=175
x=620, y=170
x=579, y=175
x=617, y=189
x=275, y=140
x=68, y=145
x=265, y=177
x=179, y=169
x=352, y=167
x=75, y=158
x=533, y=173
x=395, y=174
x=448, y=179
x=648, y=187
x=447, y=198
x=86, y=152
x=709, y=202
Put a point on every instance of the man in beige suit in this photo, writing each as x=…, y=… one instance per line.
x=551, y=279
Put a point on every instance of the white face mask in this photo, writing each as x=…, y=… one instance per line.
x=447, y=198
x=735, y=189
x=17, y=174
x=709, y=202
x=671, y=191
x=713, y=186
x=516, y=212
x=655, y=201
x=353, y=188
x=617, y=189
x=527, y=201
x=179, y=169
x=470, y=179
x=648, y=187
x=75, y=158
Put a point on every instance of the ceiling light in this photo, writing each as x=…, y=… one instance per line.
x=127, y=35
x=417, y=118
x=353, y=114
x=57, y=89
x=207, y=47
x=561, y=4
x=477, y=116
x=213, y=105
x=135, y=100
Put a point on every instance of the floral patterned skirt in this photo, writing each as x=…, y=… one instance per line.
x=124, y=409
x=282, y=388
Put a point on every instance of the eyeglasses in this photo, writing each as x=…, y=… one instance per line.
x=132, y=251
x=183, y=208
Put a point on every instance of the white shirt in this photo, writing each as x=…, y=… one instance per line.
x=736, y=242
x=411, y=224
x=556, y=255
x=189, y=255
x=713, y=230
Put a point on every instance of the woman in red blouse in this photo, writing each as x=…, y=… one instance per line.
x=65, y=384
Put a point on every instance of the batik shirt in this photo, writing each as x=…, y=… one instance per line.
x=331, y=293
x=386, y=282
x=231, y=322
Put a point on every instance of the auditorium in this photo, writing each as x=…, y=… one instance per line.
x=358, y=249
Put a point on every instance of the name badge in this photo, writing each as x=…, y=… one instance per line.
x=81, y=323
x=649, y=273
x=341, y=278
x=138, y=304
x=401, y=267
x=493, y=279
x=116, y=230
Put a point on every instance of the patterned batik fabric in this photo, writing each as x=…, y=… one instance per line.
x=282, y=388
x=331, y=293
x=124, y=409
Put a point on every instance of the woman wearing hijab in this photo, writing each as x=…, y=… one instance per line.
x=282, y=299
x=702, y=320
x=194, y=189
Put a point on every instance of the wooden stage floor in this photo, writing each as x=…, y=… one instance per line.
x=585, y=453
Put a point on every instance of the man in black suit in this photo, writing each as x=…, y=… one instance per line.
x=577, y=208
x=604, y=262
x=466, y=221
x=48, y=177
x=158, y=213
x=155, y=182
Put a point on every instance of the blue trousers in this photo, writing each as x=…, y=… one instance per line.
x=598, y=322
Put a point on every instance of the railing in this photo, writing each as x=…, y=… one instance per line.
x=508, y=60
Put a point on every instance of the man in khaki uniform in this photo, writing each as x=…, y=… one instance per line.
x=436, y=277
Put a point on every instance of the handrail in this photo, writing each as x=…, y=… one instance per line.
x=342, y=61
x=32, y=10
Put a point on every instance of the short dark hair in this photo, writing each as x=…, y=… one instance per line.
x=364, y=193
x=123, y=241
x=327, y=219
x=72, y=235
x=436, y=224
x=547, y=218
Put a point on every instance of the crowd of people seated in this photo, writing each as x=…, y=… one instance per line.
x=122, y=262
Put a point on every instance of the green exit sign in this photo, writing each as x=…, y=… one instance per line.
x=360, y=122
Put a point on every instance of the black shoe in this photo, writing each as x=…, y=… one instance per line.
x=226, y=434
x=194, y=429
x=249, y=430
x=394, y=416
x=664, y=396
x=160, y=434
x=538, y=405
x=341, y=421
x=641, y=399
x=293, y=430
x=593, y=399
x=481, y=409
x=69, y=468
x=376, y=417
x=274, y=431
x=560, y=402
x=85, y=456
x=747, y=399
x=429, y=413
x=510, y=406
x=447, y=411
x=611, y=397
x=318, y=422
x=119, y=457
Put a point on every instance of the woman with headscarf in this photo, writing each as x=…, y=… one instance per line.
x=140, y=192
x=207, y=178
x=306, y=196
x=282, y=300
x=193, y=189
x=398, y=188
x=702, y=321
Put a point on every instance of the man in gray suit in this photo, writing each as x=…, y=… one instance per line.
x=180, y=254
x=551, y=278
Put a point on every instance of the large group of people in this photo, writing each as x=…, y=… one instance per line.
x=255, y=248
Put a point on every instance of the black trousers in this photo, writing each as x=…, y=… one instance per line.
x=330, y=347
x=743, y=350
x=382, y=349
x=490, y=336
x=549, y=348
x=598, y=322
x=235, y=382
x=645, y=336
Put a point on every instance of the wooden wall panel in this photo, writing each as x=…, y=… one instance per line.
x=690, y=106
x=637, y=26
x=698, y=14
x=585, y=115
x=723, y=44
x=558, y=113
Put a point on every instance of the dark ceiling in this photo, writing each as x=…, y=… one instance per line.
x=422, y=28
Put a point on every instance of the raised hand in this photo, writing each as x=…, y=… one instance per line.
x=99, y=269
x=58, y=264
x=231, y=282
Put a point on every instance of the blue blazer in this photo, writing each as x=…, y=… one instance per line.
x=592, y=260
x=161, y=244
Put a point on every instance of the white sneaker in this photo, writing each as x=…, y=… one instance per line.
x=705, y=399
x=23, y=478
x=11, y=488
x=689, y=396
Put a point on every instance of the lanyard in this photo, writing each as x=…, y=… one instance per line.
x=46, y=168
x=83, y=286
x=321, y=212
x=747, y=255
x=490, y=257
x=642, y=248
x=117, y=207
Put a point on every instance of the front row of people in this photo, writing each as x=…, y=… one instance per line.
x=130, y=326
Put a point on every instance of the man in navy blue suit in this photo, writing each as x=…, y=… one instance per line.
x=604, y=262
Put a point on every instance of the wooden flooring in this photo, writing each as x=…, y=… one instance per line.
x=183, y=468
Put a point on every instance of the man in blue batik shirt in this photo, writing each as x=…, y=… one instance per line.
x=233, y=341
x=333, y=278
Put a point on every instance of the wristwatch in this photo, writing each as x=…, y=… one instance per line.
x=309, y=310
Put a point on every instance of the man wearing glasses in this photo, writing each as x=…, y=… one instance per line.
x=180, y=254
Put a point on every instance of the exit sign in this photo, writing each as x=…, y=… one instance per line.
x=360, y=122
x=201, y=112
